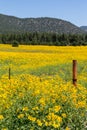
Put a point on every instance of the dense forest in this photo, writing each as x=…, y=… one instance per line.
x=35, y=38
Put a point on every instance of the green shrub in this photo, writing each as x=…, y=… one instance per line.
x=15, y=44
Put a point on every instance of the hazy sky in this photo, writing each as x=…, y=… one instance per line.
x=70, y=10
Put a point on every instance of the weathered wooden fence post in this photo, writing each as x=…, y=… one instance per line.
x=75, y=72
x=9, y=73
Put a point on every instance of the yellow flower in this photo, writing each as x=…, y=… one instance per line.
x=81, y=104
x=25, y=109
x=39, y=122
x=54, y=117
x=56, y=125
x=35, y=108
x=33, y=119
x=57, y=108
x=42, y=101
x=67, y=128
x=1, y=117
x=20, y=116
x=46, y=123
x=63, y=115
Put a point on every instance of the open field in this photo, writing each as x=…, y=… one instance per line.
x=40, y=94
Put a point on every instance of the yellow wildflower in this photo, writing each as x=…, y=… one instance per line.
x=35, y=108
x=57, y=108
x=67, y=128
x=1, y=117
x=56, y=125
x=20, y=116
x=39, y=122
x=42, y=101
x=81, y=104
x=25, y=109
x=63, y=115
x=46, y=123
x=33, y=119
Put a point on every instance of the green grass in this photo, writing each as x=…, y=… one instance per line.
x=63, y=70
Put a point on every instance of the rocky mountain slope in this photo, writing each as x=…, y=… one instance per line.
x=11, y=24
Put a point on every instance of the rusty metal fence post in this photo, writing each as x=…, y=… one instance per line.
x=9, y=76
x=75, y=72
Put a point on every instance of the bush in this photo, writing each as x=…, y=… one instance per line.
x=15, y=44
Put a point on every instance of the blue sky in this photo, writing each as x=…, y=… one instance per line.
x=69, y=10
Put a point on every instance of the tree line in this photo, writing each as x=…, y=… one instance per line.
x=36, y=38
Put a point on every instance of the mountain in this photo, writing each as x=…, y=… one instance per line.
x=84, y=28
x=44, y=24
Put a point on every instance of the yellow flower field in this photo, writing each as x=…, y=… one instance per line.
x=40, y=94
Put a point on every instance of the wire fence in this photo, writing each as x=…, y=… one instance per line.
x=75, y=73
x=9, y=72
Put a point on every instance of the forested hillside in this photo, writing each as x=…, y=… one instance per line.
x=11, y=24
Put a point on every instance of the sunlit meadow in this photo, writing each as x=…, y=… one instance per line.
x=39, y=94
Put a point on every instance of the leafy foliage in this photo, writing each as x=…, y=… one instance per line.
x=45, y=39
x=15, y=44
